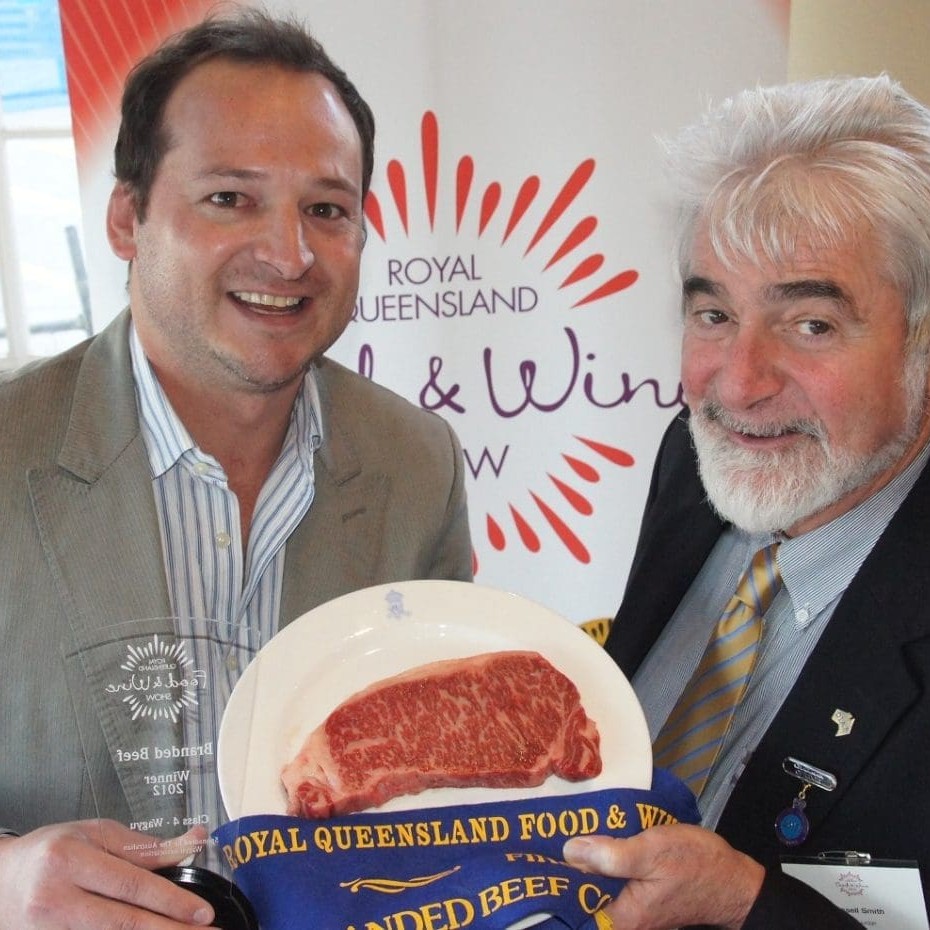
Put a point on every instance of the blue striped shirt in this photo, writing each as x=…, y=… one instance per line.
x=226, y=600
x=816, y=569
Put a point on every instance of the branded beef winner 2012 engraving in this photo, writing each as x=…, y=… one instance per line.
x=150, y=753
x=168, y=783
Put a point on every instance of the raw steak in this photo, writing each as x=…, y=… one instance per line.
x=501, y=719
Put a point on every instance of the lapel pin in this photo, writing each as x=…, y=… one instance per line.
x=844, y=721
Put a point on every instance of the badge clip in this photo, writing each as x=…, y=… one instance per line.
x=846, y=856
x=813, y=776
x=792, y=826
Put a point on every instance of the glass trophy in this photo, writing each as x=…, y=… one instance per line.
x=149, y=696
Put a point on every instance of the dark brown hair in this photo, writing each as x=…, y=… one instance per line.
x=249, y=35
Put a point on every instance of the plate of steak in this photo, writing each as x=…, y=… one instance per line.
x=427, y=694
x=505, y=719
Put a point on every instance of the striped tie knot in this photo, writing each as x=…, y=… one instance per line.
x=759, y=585
x=690, y=740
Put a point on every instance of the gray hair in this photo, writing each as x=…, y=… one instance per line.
x=806, y=163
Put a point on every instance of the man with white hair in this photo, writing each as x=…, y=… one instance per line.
x=800, y=465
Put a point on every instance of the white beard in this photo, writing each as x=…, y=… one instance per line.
x=767, y=491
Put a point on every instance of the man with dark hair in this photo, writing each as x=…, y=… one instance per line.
x=201, y=457
x=794, y=702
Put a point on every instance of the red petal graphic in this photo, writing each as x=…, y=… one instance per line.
x=397, y=181
x=617, y=283
x=576, y=499
x=489, y=202
x=611, y=453
x=582, y=469
x=429, y=136
x=463, y=178
x=574, y=545
x=495, y=534
x=527, y=534
x=578, y=235
x=373, y=213
x=525, y=196
x=102, y=40
x=474, y=562
x=580, y=176
x=584, y=270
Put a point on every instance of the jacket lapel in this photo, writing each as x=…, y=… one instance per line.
x=678, y=532
x=319, y=564
x=860, y=665
x=95, y=510
x=96, y=518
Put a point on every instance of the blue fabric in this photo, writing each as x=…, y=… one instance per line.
x=480, y=865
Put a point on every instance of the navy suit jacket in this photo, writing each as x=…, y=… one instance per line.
x=873, y=660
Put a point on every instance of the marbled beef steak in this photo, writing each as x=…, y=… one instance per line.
x=500, y=719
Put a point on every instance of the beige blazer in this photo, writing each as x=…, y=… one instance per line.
x=80, y=549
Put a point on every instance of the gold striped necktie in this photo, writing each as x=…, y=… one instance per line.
x=692, y=736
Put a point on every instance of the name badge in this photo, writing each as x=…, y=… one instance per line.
x=881, y=893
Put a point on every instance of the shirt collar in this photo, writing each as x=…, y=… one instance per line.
x=167, y=439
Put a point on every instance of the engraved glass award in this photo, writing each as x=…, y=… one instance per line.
x=149, y=696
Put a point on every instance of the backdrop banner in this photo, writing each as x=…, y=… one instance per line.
x=518, y=277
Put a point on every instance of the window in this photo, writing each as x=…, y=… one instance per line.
x=43, y=290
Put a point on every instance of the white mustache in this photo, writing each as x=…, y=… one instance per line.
x=714, y=412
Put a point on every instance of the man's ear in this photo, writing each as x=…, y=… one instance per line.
x=122, y=222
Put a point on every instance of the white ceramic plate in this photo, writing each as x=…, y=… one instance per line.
x=328, y=654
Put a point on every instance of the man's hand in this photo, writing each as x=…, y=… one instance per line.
x=96, y=875
x=677, y=876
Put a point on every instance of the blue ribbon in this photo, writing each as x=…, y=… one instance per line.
x=479, y=865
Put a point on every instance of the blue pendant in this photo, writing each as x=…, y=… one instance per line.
x=791, y=825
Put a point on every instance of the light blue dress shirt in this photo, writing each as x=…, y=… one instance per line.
x=225, y=600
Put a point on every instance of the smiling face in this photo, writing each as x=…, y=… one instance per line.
x=246, y=266
x=804, y=399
